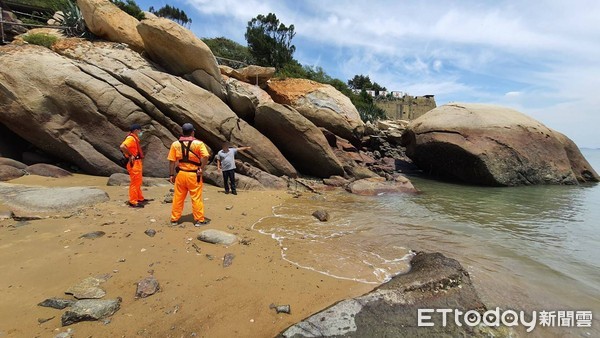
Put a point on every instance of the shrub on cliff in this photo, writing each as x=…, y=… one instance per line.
x=40, y=39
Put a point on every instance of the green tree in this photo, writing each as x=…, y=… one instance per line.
x=292, y=69
x=229, y=49
x=172, y=13
x=269, y=41
x=130, y=7
x=360, y=82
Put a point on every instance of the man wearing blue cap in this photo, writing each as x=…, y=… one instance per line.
x=133, y=151
x=190, y=156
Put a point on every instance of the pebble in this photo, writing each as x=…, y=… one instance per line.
x=228, y=259
x=93, y=235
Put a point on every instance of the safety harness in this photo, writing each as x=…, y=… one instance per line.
x=140, y=154
x=185, y=154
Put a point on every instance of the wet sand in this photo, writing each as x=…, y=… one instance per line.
x=199, y=297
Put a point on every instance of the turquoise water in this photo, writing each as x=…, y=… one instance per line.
x=529, y=248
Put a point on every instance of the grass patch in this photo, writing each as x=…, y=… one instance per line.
x=41, y=39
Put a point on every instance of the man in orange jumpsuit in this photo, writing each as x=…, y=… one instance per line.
x=192, y=156
x=133, y=151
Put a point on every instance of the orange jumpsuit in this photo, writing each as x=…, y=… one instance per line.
x=132, y=142
x=187, y=180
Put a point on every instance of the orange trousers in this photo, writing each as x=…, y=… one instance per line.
x=135, y=185
x=184, y=182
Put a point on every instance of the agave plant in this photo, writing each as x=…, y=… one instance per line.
x=73, y=20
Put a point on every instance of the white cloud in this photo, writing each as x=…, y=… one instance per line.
x=538, y=57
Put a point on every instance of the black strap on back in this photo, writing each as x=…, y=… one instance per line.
x=185, y=153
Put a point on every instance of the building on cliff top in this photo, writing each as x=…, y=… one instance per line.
x=406, y=107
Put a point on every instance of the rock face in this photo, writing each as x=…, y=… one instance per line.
x=244, y=98
x=322, y=104
x=180, y=52
x=106, y=20
x=492, y=145
x=81, y=105
x=298, y=139
x=214, y=177
x=391, y=310
x=75, y=112
x=264, y=178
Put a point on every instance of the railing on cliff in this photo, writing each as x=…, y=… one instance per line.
x=221, y=59
x=243, y=64
x=2, y=23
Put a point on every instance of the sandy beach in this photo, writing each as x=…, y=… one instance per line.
x=41, y=259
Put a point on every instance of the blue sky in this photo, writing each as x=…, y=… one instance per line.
x=539, y=57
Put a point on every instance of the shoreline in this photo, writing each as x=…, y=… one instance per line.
x=43, y=258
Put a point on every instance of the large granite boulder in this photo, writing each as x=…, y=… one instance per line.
x=322, y=104
x=47, y=170
x=32, y=198
x=256, y=75
x=179, y=51
x=264, y=178
x=376, y=186
x=106, y=20
x=74, y=111
x=8, y=172
x=493, y=145
x=391, y=310
x=302, y=143
x=81, y=104
x=12, y=163
x=214, y=177
x=215, y=123
x=243, y=98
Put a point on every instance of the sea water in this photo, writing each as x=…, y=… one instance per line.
x=526, y=248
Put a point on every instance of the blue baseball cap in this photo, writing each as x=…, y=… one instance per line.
x=187, y=127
